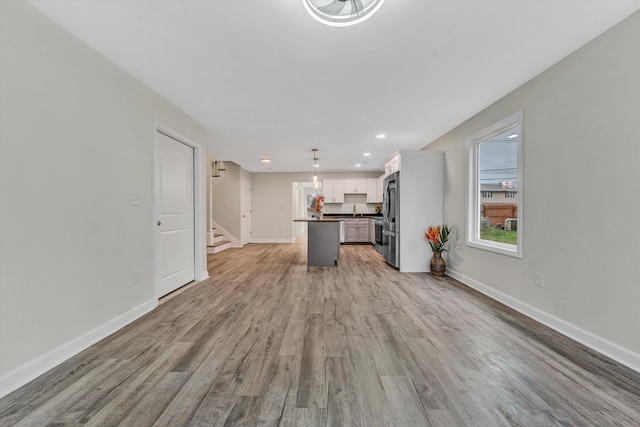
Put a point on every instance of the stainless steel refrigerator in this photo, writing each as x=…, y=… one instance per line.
x=391, y=220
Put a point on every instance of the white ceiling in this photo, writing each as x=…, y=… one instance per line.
x=267, y=80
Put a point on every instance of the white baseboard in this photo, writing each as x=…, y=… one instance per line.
x=203, y=276
x=610, y=349
x=273, y=240
x=31, y=370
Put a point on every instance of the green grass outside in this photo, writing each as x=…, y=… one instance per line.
x=497, y=235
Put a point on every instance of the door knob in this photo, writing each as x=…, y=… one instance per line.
x=159, y=223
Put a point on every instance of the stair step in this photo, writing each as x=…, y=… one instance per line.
x=218, y=246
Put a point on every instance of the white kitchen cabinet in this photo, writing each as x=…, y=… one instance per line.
x=362, y=185
x=392, y=165
x=350, y=235
x=374, y=190
x=349, y=185
x=333, y=190
x=356, y=186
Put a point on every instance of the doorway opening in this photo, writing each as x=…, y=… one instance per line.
x=304, y=196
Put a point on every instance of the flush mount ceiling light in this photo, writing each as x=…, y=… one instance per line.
x=341, y=13
x=265, y=160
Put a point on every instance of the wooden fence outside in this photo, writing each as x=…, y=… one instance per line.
x=497, y=213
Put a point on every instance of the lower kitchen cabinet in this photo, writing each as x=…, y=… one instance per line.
x=357, y=230
x=372, y=232
x=350, y=235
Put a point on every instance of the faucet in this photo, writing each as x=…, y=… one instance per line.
x=354, y=209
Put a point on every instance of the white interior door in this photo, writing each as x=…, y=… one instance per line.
x=175, y=231
x=245, y=208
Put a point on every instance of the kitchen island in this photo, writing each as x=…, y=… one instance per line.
x=323, y=240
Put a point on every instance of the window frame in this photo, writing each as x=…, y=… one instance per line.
x=473, y=187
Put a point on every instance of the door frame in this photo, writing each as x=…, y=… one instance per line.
x=246, y=186
x=199, y=205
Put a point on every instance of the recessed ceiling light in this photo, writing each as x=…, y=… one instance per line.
x=515, y=135
x=381, y=136
x=366, y=154
x=316, y=165
x=265, y=160
x=358, y=165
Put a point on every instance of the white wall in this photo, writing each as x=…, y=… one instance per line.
x=76, y=141
x=581, y=196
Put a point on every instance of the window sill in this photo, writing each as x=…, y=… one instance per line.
x=496, y=247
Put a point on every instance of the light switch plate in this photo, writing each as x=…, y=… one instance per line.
x=134, y=199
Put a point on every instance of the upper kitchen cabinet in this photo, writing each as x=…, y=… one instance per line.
x=392, y=165
x=374, y=190
x=333, y=190
x=356, y=186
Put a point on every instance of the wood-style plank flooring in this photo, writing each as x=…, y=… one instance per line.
x=268, y=341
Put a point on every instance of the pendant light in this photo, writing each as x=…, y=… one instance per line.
x=315, y=167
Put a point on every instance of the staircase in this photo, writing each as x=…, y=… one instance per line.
x=217, y=242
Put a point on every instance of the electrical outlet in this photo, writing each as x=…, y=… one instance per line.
x=136, y=278
x=539, y=280
x=134, y=199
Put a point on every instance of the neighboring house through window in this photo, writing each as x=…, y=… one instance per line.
x=495, y=187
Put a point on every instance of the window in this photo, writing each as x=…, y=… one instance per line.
x=496, y=162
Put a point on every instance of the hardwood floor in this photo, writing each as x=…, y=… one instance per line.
x=269, y=341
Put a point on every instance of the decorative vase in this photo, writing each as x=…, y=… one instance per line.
x=438, y=265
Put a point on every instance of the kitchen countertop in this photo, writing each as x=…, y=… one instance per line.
x=343, y=216
x=333, y=219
